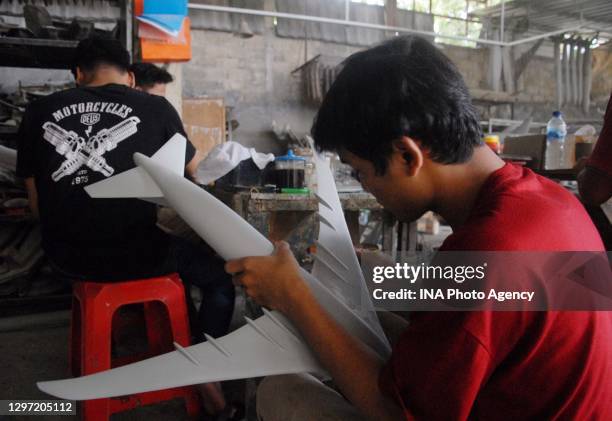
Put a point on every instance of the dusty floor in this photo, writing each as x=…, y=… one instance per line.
x=41, y=353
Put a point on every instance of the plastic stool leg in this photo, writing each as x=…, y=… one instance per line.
x=177, y=312
x=176, y=304
x=75, y=356
x=95, y=410
x=96, y=351
x=158, y=328
x=192, y=404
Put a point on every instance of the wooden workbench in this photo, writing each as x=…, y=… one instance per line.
x=293, y=218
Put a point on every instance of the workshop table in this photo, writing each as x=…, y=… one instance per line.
x=293, y=217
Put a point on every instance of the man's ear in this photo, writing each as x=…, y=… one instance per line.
x=80, y=76
x=132, y=79
x=411, y=153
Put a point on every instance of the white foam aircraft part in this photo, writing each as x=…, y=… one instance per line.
x=268, y=345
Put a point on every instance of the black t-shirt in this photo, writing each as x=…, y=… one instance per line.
x=80, y=136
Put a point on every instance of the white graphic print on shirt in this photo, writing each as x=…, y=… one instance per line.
x=79, y=152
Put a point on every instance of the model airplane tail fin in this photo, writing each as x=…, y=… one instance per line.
x=136, y=182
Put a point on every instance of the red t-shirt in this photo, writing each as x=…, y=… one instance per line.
x=601, y=158
x=509, y=365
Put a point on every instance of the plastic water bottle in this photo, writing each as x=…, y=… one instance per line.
x=556, y=130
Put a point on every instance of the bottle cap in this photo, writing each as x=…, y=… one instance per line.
x=556, y=113
x=290, y=157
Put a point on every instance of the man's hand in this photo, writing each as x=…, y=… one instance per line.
x=272, y=281
x=275, y=282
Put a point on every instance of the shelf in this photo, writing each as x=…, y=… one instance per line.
x=37, y=53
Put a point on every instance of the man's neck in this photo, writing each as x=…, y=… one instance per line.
x=459, y=185
x=101, y=82
x=105, y=78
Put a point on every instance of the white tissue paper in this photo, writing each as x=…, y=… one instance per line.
x=586, y=133
x=225, y=157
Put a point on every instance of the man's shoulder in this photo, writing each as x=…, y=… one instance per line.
x=63, y=94
x=141, y=95
x=154, y=106
x=52, y=99
x=159, y=101
x=526, y=212
x=155, y=103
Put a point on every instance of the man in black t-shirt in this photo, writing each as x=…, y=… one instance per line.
x=80, y=136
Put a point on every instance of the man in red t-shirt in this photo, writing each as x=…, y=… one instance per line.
x=401, y=116
x=595, y=180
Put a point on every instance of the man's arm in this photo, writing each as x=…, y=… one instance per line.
x=27, y=156
x=595, y=180
x=192, y=167
x=174, y=125
x=274, y=281
x=595, y=186
x=30, y=184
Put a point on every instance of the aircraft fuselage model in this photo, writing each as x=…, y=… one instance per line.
x=268, y=345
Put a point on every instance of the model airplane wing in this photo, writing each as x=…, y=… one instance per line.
x=336, y=264
x=267, y=345
x=236, y=355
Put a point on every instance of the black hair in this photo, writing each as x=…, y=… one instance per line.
x=94, y=51
x=148, y=74
x=402, y=87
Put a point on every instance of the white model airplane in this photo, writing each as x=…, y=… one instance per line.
x=269, y=345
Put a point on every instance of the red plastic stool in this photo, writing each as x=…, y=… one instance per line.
x=93, y=307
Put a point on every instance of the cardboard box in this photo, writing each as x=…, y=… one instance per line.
x=204, y=122
x=534, y=146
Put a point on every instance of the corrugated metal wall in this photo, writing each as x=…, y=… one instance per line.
x=289, y=28
x=369, y=14
x=343, y=34
x=220, y=21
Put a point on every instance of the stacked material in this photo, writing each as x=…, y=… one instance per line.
x=318, y=75
x=21, y=254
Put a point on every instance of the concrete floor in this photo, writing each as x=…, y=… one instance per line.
x=42, y=354
x=36, y=353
